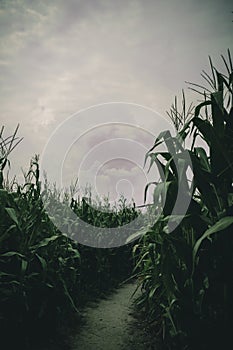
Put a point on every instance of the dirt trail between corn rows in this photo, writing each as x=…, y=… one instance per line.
x=110, y=325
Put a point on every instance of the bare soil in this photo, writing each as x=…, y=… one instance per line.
x=110, y=325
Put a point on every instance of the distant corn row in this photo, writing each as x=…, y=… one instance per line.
x=45, y=276
x=186, y=276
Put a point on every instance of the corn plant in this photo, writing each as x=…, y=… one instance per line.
x=39, y=266
x=45, y=276
x=186, y=275
x=7, y=145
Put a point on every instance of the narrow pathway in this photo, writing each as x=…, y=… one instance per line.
x=109, y=324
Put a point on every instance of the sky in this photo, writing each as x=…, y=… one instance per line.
x=91, y=81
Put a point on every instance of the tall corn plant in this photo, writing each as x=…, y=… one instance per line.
x=39, y=267
x=7, y=145
x=186, y=275
x=104, y=268
x=44, y=274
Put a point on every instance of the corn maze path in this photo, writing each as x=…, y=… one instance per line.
x=109, y=324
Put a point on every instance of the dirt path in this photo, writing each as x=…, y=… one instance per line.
x=109, y=324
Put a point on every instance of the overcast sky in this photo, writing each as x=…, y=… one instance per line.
x=60, y=57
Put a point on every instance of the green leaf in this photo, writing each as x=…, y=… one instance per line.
x=24, y=265
x=161, y=192
x=199, y=107
x=75, y=253
x=146, y=188
x=218, y=226
x=11, y=212
x=42, y=262
x=137, y=234
x=153, y=290
x=10, y=254
x=67, y=294
x=160, y=139
x=5, y=234
x=203, y=158
x=45, y=242
x=230, y=199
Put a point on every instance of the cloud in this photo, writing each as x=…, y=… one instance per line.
x=58, y=57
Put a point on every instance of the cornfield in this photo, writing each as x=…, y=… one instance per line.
x=184, y=274
x=46, y=276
